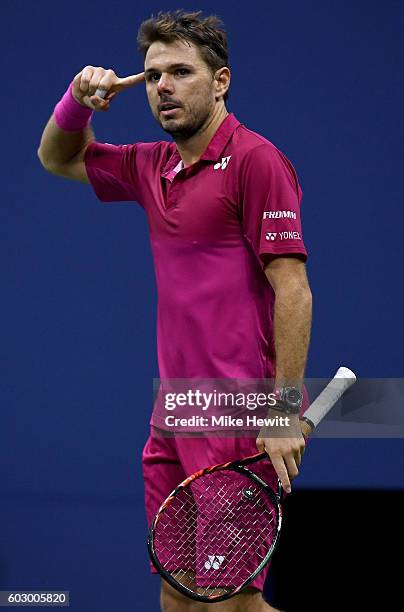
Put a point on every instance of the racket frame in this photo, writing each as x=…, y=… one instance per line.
x=236, y=466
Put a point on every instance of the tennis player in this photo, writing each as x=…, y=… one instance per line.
x=223, y=207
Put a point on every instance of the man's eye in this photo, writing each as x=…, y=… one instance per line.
x=154, y=76
x=182, y=71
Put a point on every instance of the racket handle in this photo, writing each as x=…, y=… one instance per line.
x=343, y=379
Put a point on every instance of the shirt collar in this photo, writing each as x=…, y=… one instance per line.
x=220, y=138
x=215, y=146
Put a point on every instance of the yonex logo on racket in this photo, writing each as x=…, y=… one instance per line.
x=214, y=562
x=223, y=164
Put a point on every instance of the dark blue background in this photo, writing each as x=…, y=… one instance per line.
x=323, y=82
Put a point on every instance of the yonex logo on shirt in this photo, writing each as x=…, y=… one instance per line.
x=290, y=236
x=279, y=214
x=223, y=164
x=283, y=236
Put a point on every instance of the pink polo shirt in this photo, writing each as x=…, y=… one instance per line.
x=210, y=225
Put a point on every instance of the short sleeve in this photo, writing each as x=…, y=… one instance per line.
x=117, y=172
x=270, y=203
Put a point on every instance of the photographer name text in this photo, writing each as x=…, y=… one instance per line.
x=226, y=421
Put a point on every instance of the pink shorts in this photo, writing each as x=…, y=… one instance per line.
x=167, y=461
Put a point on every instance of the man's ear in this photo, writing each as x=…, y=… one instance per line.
x=222, y=81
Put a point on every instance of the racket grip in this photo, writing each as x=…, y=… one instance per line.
x=342, y=380
x=101, y=93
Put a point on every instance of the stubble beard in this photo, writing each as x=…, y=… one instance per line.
x=181, y=132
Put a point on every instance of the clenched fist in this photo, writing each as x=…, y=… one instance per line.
x=90, y=79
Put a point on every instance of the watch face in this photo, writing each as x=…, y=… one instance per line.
x=293, y=396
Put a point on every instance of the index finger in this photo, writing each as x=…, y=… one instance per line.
x=282, y=472
x=121, y=83
x=129, y=81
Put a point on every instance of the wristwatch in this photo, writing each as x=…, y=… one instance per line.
x=288, y=400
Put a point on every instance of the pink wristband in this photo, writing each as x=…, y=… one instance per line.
x=70, y=115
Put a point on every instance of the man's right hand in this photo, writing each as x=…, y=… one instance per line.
x=86, y=83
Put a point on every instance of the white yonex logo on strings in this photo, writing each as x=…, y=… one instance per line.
x=270, y=236
x=223, y=164
x=214, y=561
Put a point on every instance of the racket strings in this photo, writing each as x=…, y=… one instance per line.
x=216, y=532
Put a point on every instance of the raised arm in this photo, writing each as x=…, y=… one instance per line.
x=68, y=132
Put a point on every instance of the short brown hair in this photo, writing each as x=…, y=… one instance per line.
x=205, y=32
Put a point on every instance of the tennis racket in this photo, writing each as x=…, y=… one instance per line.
x=219, y=528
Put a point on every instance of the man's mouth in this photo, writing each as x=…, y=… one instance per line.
x=168, y=108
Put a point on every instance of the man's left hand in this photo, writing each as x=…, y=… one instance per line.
x=285, y=447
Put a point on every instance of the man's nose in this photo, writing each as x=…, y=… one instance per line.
x=165, y=84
